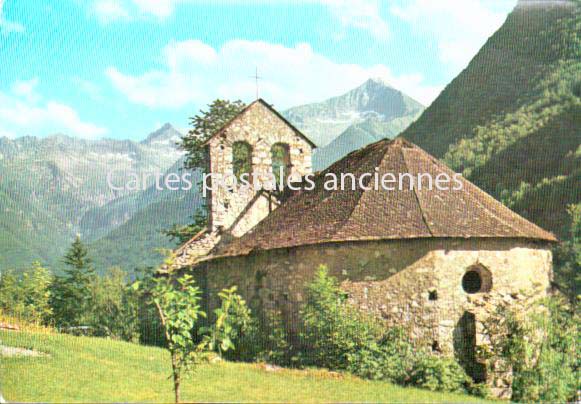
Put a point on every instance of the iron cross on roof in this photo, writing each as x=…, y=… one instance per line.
x=256, y=77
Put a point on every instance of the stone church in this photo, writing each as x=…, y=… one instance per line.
x=434, y=261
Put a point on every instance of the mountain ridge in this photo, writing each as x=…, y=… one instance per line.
x=66, y=191
x=324, y=121
x=520, y=141
x=49, y=184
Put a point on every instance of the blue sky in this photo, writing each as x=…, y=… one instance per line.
x=122, y=68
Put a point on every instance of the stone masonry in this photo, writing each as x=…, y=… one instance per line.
x=233, y=212
x=437, y=263
x=261, y=128
x=416, y=284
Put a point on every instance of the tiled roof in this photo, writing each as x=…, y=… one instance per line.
x=198, y=246
x=323, y=216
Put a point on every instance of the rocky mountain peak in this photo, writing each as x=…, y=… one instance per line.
x=377, y=82
x=166, y=134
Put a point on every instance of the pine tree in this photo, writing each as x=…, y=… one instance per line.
x=72, y=292
x=79, y=266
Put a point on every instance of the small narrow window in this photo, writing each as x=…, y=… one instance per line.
x=281, y=163
x=432, y=295
x=241, y=158
x=436, y=347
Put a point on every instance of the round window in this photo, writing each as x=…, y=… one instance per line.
x=477, y=279
x=472, y=282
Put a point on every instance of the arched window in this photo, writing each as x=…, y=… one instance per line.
x=477, y=279
x=280, y=154
x=241, y=158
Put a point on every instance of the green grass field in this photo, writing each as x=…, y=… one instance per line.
x=96, y=369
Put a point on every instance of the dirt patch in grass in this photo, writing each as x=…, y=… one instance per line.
x=9, y=351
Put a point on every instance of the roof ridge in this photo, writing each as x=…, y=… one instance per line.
x=271, y=109
x=362, y=192
x=415, y=192
x=286, y=121
x=230, y=122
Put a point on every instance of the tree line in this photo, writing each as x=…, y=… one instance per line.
x=79, y=301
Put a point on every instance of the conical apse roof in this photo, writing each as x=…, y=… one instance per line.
x=323, y=216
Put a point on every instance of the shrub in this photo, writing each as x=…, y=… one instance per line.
x=540, y=347
x=391, y=359
x=478, y=389
x=396, y=360
x=272, y=340
x=114, y=310
x=232, y=323
x=27, y=295
x=338, y=336
x=439, y=374
x=333, y=330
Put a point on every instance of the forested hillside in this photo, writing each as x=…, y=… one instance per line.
x=511, y=121
x=136, y=243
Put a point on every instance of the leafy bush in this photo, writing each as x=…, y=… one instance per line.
x=114, y=311
x=334, y=331
x=27, y=296
x=391, y=359
x=439, y=374
x=272, y=341
x=339, y=336
x=396, y=360
x=540, y=347
x=232, y=323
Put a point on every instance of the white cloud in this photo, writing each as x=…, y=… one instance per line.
x=109, y=10
x=23, y=113
x=6, y=26
x=360, y=14
x=89, y=88
x=158, y=8
x=459, y=27
x=195, y=73
x=114, y=10
x=26, y=89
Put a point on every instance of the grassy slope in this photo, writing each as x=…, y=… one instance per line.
x=97, y=370
x=513, y=115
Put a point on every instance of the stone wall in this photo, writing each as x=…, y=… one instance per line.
x=261, y=128
x=412, y=283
